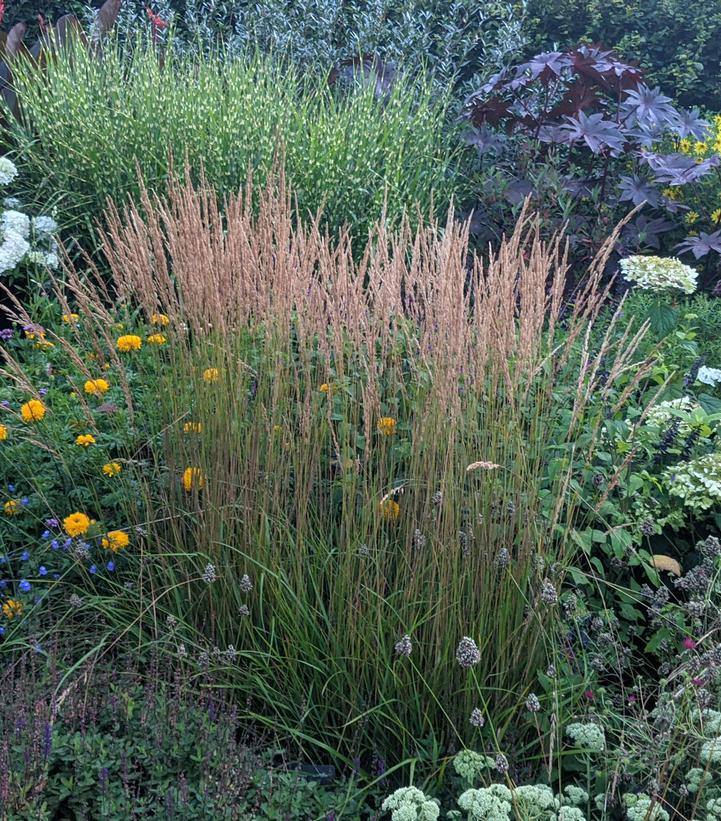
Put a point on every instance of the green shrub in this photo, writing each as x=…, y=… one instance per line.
x=676, y=41
x=91, y=125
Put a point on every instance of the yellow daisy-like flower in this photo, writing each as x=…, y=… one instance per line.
x=700, y=149
x=85, y=440
x=684, y=145
x=211, y=375
x=11, y=507
x=129, y=342
x=691, y=217
x=716, y=216
x=193, y=478
x=390, y=510
x=671, y=193
x=12, y=608
x=112, y=468
x=193, y=427
x=96, y=387
x=326, y=387
x=115, y=540
x=70, y=318
x=76, y=524
x=157, y=339
x=387, y=425
x=33, y=411
x=3, y=433
x=159, y=319
x=44, y=345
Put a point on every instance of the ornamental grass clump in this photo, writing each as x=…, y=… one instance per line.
x=350, y=562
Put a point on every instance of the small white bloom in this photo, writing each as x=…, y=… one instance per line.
x=8, y=171
x=12, y=250
x=16, y=221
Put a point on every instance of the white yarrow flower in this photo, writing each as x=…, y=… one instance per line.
x=8, y=171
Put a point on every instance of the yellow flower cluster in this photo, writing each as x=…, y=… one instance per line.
x=76, y=524
x=115, y=540
x=3, y=433
x=70, y=318
x=12, y=608
x=193, y=427
x=11, y=507
x=211, y=375
x=33, y=411
x=112, y=468
x=129, y=342
x=85, y=440
x=159, y=319
x=193, y=478
x=387, y=425
x=96, y=387
x=157, y=339
x=390, y=510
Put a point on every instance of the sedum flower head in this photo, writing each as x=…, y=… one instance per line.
x=470, y=765
x=534, y=801
x=410, y=804
x=76, y=524
x=659, y=273
x=492, y=803
x=640, y=807
x=589, y=736
x=129, y=342
x=33, y=411
x=115, y=540
x=570, y=814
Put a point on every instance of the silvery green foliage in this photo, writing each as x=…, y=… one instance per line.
x=457, y=40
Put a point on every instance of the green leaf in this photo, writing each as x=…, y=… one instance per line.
x=663, y=318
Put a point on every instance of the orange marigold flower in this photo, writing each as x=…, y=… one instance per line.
x=115, y=540
x=157, y=339
x=76, y=524
x=193, y=478
x=33, y=411
x=112, y=468
x=129, y=342
x=3, y=433
x=325, y=387
x=211, y=375
x=85, y=440
x=12, y=608
x=96, y=387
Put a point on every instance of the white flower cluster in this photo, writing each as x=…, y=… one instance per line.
x=469, y=765
x=589, y=736
x=642, y=808
x=18, y=233
x=410, y=804
x=492, y=803
x=660, y=273
x=711, y=751
x=697, y=483
x=709, y=376
x=660, y=415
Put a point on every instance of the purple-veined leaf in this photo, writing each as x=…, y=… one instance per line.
x=678, y=169
x=597, y=132
x=691, y=124
x=702, y=244
x=638, y=191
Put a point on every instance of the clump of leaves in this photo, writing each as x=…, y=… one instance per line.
x=581, y=130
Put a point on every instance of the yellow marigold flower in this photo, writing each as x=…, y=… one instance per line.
x=193, y=427
x=96, y=387
x=76, y=524
x=691, y=217
x=12, y=608
x=70, y=317
x=159, y=319
x=390, y=510
x=211, y=375
x=716, y=216
x=115, y=540
x=112, y=468
x=325, y=388
x=193, y=478
x=129, y=342
x=33, y=411
x=3, y=433
x=85, y=439
x=157, y=339
x=44, y=344
x=387, y=425
x=11, y=507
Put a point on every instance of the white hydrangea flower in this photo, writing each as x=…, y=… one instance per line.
x=12, y=250
x=709, y=376
x=16, y=221
x=44, y=225
x=11, y=202
x=8, y=171
x=697, y=483
x=660, y=273
x=660, y=415
x=410, y=804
